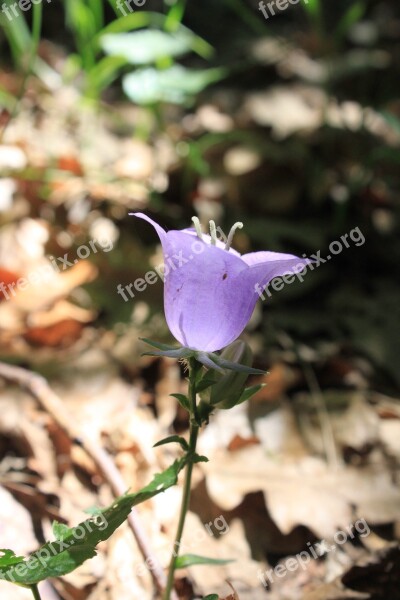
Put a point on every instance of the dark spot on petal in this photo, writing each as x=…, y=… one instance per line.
x=225, y=275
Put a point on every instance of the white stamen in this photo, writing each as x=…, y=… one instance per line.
x=237, y=225
x=213, y=233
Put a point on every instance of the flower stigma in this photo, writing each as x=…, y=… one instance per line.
x=197, y=226
x=213, y=233
x=237, y=225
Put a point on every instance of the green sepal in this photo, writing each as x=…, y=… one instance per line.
x=158, y=345
x=232, y=366
x=211, y=597
x=177, y=353
x=166, y=350
x=229, y=387
x=208, y=362
x=211, y=360
x=187, y=560
x=171, y=439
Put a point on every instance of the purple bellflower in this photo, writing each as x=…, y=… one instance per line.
x=210, y=290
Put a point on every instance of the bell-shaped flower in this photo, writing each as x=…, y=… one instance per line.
x=210, y=290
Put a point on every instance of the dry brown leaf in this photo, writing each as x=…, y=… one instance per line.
x=231, y=545
x=354, y=426
x=333, y=591
x=62, y=334
x=305, y=492
x=57, y=286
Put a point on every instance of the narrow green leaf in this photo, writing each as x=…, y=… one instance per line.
x=105, y=72
x=313, y=7
x=352, y=15
x=198, y=458
x=17, y=32
x=315, y=12
x=211, y=597
x=173, y=438
x=183, y=400
x=247, y=394
x=133, y=21
x=175, y=16
x=62, y=556
x=187, y=560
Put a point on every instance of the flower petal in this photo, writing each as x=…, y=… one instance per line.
x=210, y=293
x=162, y=234
x=255, y=258
x=204, y=298
x=259, y=275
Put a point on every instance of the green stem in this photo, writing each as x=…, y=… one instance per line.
x=194, y=430
x=35, y=592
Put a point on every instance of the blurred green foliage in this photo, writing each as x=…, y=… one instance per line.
x=311, y=186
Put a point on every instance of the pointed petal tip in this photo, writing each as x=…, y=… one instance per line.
x=160, y=231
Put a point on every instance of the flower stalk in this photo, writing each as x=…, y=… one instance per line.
x=194, y=368
x=35, y=592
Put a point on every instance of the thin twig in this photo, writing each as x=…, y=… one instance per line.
x=328, y=436
x=53, y=404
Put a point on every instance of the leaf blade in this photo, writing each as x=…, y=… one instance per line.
x=59, y=557
x=188, y=560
